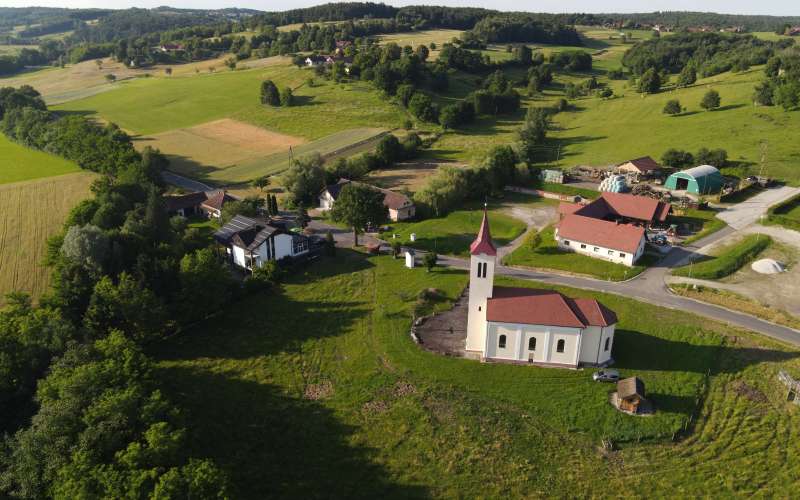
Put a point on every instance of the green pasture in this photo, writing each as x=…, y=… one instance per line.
x=20, y=163
x=152, y=105
x=319, y=385
x=785, y=214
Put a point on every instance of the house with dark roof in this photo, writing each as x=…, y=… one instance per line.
x=208, y=203
x=529, y=325
x=400, y=206
x=611, y=227
x=645, y=166
x=252, y=241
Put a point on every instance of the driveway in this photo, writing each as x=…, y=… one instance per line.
x=748, y=212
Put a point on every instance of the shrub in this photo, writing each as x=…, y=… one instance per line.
x=729, y=261
x=673, y=107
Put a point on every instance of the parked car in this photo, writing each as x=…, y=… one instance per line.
x=605, y=376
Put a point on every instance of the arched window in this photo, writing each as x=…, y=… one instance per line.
x=560, y=345
x=608, y=343
x=501, y=342
x=532, y=344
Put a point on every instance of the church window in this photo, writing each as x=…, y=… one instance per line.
x=560, y=345
x=501, y=343
x=532, y=344
x=608, y=343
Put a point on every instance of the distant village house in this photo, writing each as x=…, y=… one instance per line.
x=207, y=203
x=400, y=206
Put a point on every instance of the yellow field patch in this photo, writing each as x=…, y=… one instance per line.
x=217, y=145
x=31, y=212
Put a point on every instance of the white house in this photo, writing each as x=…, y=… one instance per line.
x=250, y=242
x=618, y=243
x=527, y=325
x=400, y=206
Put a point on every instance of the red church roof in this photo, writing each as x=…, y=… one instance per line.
x=532, y=306
x=483, y=243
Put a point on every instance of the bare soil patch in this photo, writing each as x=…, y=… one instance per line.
x=412, y=175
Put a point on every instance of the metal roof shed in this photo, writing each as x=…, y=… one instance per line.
x=704, y=179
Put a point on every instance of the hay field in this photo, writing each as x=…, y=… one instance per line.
x=31, y=212
x=18, y=163
x=218, y=160
x=423, y=37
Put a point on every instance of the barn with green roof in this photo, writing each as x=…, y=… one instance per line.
x=704, y=179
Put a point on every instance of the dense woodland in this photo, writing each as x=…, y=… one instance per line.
x=88, y=418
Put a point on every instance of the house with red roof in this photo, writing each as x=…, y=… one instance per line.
x=208, y=203
x=528, y=325
x=611, y=227
x=399, y=205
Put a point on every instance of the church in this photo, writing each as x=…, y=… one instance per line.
x=528, y=325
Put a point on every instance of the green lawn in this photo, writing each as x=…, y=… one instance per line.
x=318, y=391
x=547, y=255
x=21, y=164
x=453, y=233
x=152, y=105
x=727, y=260
x=786, y=214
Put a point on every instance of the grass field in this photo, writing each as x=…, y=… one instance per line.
x=20, y=163
x=423, y=37
x=727, y=260
x=547, y=255
x=320, y=388
x=786, y=214
x=453, y=233
x=32, y=211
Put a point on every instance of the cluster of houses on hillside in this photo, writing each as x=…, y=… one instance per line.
x=612, y=227
x=328, y=60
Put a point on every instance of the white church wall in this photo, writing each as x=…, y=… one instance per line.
x=518, y=338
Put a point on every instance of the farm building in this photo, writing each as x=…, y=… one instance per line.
x=250, y=242
x=704, y=179
x=400, y=206
x=527, y=325
x=208, y=203
x=611, y=227
x=642, y=166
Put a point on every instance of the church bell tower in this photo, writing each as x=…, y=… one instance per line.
x=483, y=258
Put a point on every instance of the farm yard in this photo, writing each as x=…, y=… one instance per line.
x=387, y=406
x=32, y=211
x=20, y=163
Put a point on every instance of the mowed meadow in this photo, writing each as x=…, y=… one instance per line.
x=30, y=213
x=19, y=163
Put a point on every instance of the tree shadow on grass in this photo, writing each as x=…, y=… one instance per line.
x=729, y=107
x=275, y=446
x=635, y=350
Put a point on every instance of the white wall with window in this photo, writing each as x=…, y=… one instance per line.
x=533, y=343
x=609, y=254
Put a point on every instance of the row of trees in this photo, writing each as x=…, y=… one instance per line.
x=272, y=97
x=88, y=418
x=781, y=85
x=678, y=158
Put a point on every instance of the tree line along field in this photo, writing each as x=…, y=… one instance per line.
x=354, y=404
x=32, y=211
x=20, y=163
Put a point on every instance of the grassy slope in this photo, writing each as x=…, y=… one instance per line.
x=786, y=214
x=547, y=255
x=453, y=233
x=152, y=105
x=320, y=389
x=32, y=211
x=20, y=163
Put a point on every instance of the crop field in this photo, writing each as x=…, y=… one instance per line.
x=32, y=211
x=355, y=404
x=19, y=163
x=222, y=161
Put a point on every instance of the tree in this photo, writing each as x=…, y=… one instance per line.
x=688, y=76
x=677, y=158
x=650, y=82
x=532, y=133
x=422, y=52
x=449, y=117
x=422, y=107
x=126, y=306
x=711, y=100
x=715, y=157
x=405, y=93
x=673, y=107
x=111, y=78
x=523, y=54
x=286, y=97
x=389, y=150
x=357, y=206
x=302, y=216
x=787, y=95
x=304, y=180
x=269, y=93
x=261, y=182
x=197, y=270
x=429, y=260
x=397, y=247
x=168, y=71
x=764, y=93
x=501, y=163
x=87, y=247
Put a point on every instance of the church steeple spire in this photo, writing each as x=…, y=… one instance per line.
x=483, y=242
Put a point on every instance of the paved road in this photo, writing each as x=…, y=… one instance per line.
x=183, y=182
x=748, y=212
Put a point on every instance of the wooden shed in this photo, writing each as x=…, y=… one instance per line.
x=630, y=394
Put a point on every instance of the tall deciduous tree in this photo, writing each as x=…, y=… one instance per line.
x=359, y=205
x=269, y=93
x=711, y=100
